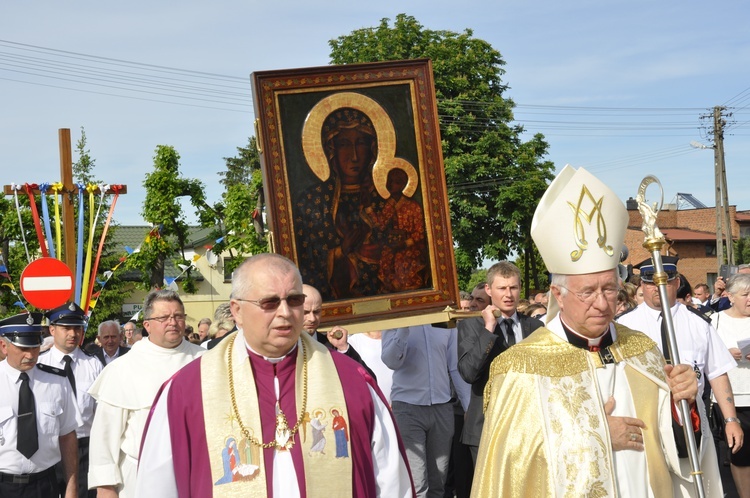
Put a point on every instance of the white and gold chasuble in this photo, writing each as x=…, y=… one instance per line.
x=332, y=476
x=545, y=430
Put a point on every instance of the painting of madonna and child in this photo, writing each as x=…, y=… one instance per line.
x=352, y=169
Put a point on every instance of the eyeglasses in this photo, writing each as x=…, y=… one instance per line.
x=590, y=296
x=177, y=317
x=272, y=303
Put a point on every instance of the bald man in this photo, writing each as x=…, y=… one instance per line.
x=337, y=338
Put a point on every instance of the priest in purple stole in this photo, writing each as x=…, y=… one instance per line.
x=238, y=421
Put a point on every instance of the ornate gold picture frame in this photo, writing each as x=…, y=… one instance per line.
x=355, y=186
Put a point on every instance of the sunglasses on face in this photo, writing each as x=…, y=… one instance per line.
x=272, y=303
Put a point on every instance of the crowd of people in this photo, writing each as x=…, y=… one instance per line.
x=572, y=392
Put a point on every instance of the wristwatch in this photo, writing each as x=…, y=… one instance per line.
x=731, y=419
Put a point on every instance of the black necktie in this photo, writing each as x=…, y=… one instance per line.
x=665, y=340
x=28, y=439
x=69, y=373
x=508, y=328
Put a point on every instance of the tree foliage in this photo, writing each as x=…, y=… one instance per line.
x=494, y=178
x=164, y=186
x=239, y=226
x=13, y=252
x=742, y=250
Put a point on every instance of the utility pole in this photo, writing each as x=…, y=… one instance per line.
x=722, y=195
x=717, y=190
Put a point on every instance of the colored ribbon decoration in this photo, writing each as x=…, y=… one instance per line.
x=103, y=188
x=37, y=222
x=15, y=189
x=91, y=189
x=79, y=246
x=57, y=189
x=45, y=216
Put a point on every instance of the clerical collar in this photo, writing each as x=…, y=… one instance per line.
x=270, y=360
x=595, y=344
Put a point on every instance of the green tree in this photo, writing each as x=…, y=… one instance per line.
x=164, y=186
x=236, y=232
x=13, y=252
x=742, y=250
x=494, y=178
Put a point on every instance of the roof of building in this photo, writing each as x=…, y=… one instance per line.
x=684, y=234
x=128, y=238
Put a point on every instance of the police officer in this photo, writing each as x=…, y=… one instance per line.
x=698, y=345
x=66, y=324
x=38, y=416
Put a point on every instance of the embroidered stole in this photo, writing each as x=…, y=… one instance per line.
x=237, y=465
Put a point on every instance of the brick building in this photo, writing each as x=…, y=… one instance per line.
x=690, y=234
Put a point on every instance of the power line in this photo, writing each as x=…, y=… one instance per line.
x=96, y=75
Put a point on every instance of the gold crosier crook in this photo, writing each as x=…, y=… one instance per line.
x=653, y=243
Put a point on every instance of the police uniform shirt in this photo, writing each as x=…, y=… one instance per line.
x=698, y=344
x=56, y=415
x=86, y=369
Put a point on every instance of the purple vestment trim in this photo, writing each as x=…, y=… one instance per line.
x=188, y=436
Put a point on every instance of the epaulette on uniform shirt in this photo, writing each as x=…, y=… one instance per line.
x=51, y=369
x=87, y=353
x=699, y=313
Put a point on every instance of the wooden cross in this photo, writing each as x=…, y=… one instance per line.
x=66, y=177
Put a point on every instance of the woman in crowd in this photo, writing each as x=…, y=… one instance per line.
x=733, y=326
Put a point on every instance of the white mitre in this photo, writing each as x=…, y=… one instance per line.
x=579, y=225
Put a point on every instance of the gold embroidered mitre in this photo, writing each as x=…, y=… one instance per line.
x=579, y=224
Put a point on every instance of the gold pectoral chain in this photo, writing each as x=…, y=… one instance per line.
x=280, y=417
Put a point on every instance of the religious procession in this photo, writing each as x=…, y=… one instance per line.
x=345, y=360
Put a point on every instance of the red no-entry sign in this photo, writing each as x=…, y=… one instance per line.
x=47, y=283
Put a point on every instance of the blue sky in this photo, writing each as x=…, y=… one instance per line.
x=616, y=87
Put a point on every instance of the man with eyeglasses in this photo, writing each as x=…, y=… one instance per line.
x=127, y=387
x=582, y=406
x=128, y=331
x=270, y=411
x=699, y=346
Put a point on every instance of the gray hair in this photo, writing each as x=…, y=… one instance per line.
x=223, y=312
x=207, y=321
x=480, y=286
x=108, y=324
x=159, y=295
x=737, y=283
x=242, y=279
x=560, y=281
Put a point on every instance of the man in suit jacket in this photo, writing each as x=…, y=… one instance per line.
x=482, y=339
x=110, y=337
